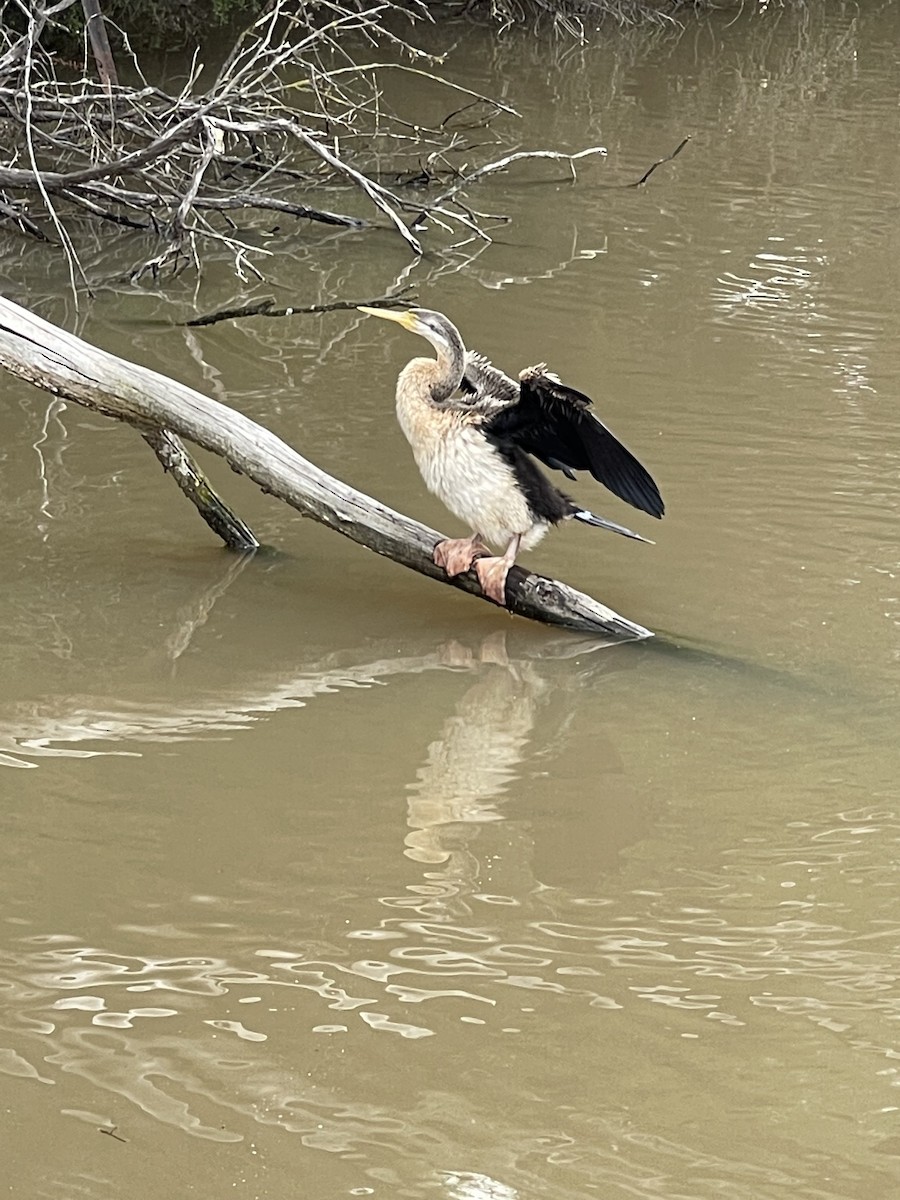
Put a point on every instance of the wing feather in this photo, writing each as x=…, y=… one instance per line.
x=554, y=423
x=486, y=385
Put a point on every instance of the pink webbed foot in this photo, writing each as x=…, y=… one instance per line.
x=492, y=573
x=456, y=555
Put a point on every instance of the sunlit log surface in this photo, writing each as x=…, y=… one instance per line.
x=57, y=361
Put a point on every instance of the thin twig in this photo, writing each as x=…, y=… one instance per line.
x=11, y=177
x=251, y=200
x=378, y=195
x=179, y=221
x=264, y=308
x=456, y=87
x=501, y=164
x=643, y=179
x=110, y=1130
x=25, y=223
x=72, y=259
x=107, y=214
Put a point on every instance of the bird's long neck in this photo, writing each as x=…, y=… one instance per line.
x=451, y=362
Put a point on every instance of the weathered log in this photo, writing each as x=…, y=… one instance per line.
x=49, y=357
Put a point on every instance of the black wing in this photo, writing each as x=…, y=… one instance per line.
x=555, y=424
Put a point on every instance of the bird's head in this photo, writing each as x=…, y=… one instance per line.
x=433, y=326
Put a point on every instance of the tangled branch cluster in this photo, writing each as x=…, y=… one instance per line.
x=578, y=17
x=290, y=113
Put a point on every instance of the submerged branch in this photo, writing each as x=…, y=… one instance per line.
x=59, y=362
x=22, y=221
x=212, y=508
x=646, y=175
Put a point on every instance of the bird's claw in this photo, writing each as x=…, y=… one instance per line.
x=492, y=573
x=456, y=555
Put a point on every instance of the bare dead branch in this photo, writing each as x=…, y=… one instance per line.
x=22, y=221
x=10, y=177
x=176, y=461
x=438, y=205
x=103, y=55
x=250, y=200
x=210, y=134
x=290, y=112
x=265, y=308
x=379, y=196
x=117, y=218
x=24, y=45
x=259, y=308
x=72, y=259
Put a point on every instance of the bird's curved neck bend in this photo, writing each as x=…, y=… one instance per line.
x=451, y=362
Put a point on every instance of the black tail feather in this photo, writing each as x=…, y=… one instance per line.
x=589, y=518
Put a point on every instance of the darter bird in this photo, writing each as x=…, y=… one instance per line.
x=475, y=433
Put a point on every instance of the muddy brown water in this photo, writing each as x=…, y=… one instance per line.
x=319, y=879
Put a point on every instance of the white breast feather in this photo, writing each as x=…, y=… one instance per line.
x=467, y=473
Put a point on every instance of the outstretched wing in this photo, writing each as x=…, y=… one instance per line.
x=486, y=386
x=555, y=424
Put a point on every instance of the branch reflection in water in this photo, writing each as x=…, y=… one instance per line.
x=83, y=1008
x=59, y=726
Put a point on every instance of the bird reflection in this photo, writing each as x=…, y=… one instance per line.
x=474, y=759
x=520, y=709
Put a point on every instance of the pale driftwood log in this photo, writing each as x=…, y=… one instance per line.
x=49, y=357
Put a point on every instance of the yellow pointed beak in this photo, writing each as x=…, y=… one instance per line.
x=406, y=319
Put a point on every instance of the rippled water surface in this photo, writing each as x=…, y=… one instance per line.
x=319, y=879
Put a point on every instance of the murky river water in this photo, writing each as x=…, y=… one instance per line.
x=319, y=879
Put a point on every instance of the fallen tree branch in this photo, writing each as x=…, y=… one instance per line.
x=43, y=354
x=520, y=155
x=23, y=221
x=281, y=120
x=431, y=208
x=24, y=45
x=264, y=308
x=18, y=177
x=379, y=195
x=103, y=55
x=266, y=203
